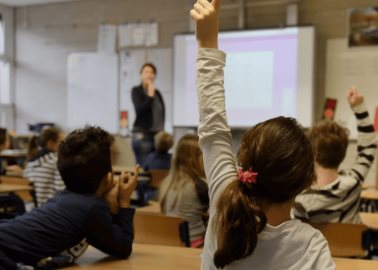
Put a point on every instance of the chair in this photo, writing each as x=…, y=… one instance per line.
x=157, y=229
x=346, y=240
x=11, y=206
x=157, y=176
x=26, y=196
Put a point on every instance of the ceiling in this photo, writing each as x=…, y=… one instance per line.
x=19, y=3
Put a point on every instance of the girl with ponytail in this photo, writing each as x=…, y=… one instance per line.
x=251, y=199
x=41, y=168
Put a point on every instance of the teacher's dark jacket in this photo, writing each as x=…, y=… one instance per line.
x=143, y=108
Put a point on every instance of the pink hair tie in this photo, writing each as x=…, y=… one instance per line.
x=247, y=176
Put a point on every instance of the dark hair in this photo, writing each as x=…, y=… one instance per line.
x=330, y=142
x=281, y=154
x=154, y=69
x=163, y=141
x=36, y=142
x=84, y=159
x=3, y=136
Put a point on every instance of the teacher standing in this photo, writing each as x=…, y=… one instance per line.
x=150, y=113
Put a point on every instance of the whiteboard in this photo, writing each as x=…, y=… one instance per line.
x=346, y=67
x=93, y=91
x=131, y=61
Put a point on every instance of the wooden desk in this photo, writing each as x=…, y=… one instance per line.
x=368, y=186
x=371, y=195
x=355, y=264
x=9, y=188
x=151, y=208
x=370, y=220
x=13, y=154
x=144, y=257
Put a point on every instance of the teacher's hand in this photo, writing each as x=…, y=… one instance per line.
x=150, y=89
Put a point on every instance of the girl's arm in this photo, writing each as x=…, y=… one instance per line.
x=214, y=132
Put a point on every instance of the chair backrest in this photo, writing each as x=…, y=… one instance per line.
x=11, y=206
x=157, y=229
x=26, y=196
x=157, y=176
x=344, y=240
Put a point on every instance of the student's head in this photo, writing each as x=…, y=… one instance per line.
x=163, y=142
x=187, y=161
x=49, y=139
x=330, y=142
x=84, y=159
x=148, y=73
x=281, y=154
x=4, y=139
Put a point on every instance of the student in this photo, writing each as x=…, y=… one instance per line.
x=160, y=159
x=250, y=225
x=184, y=192
x=336, y=196
x=4, y=144
x=41, y=168
x=81, y=211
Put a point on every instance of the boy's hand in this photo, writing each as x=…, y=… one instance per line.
x=206, y=15
x=111, y=197
x=354, y=97
x=127, y=184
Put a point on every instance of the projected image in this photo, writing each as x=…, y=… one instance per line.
x=262, y=77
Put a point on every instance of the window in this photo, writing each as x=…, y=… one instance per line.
x=5, y=89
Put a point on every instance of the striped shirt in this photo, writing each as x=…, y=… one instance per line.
x=339, y=201
x=44, y=175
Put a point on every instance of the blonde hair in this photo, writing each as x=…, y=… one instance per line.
x=187, y=163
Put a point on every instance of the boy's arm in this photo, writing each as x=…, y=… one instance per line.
x=214, y=132
x=114, y=235
x=367, y=138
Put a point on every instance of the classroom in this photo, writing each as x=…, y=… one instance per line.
x=188, y=134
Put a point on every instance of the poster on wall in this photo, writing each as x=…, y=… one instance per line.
x=363, y=27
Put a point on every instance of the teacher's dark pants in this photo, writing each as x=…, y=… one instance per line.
x=143, y=145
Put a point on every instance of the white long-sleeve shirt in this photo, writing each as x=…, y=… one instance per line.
x=292, y=244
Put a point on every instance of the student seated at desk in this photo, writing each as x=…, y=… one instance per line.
x=184, y=193
x=4, y=144
x=160, y=159
x=250, y=225
x=42, y=169
x=81, y=211
x=336, y=196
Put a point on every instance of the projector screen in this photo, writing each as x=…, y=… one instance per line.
x=268, y=73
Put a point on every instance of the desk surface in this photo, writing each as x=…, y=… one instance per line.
x=144, y=257
x=13, y=153
x=355, y=264
x=151, y=208
x=370, y=195
x=147, y=257
x=370, y=220
x=8, y=188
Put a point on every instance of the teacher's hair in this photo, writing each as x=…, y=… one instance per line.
x=154, y=69
x=280, y=152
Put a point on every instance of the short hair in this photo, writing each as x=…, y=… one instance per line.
x=84, y=159
x=3, y=136
x=163, y=141
x=329, y=142
x=154, y=69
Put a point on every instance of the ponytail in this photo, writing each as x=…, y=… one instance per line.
x=33, y=148
x=238, y=222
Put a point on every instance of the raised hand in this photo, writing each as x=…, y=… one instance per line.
x=354, y=97
x=206, y=15
x=126, y=185
x=150, y=88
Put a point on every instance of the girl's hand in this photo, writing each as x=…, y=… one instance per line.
x=206, y=15
x=354, y=97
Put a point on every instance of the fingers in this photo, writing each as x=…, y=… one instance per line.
x=216, y=3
